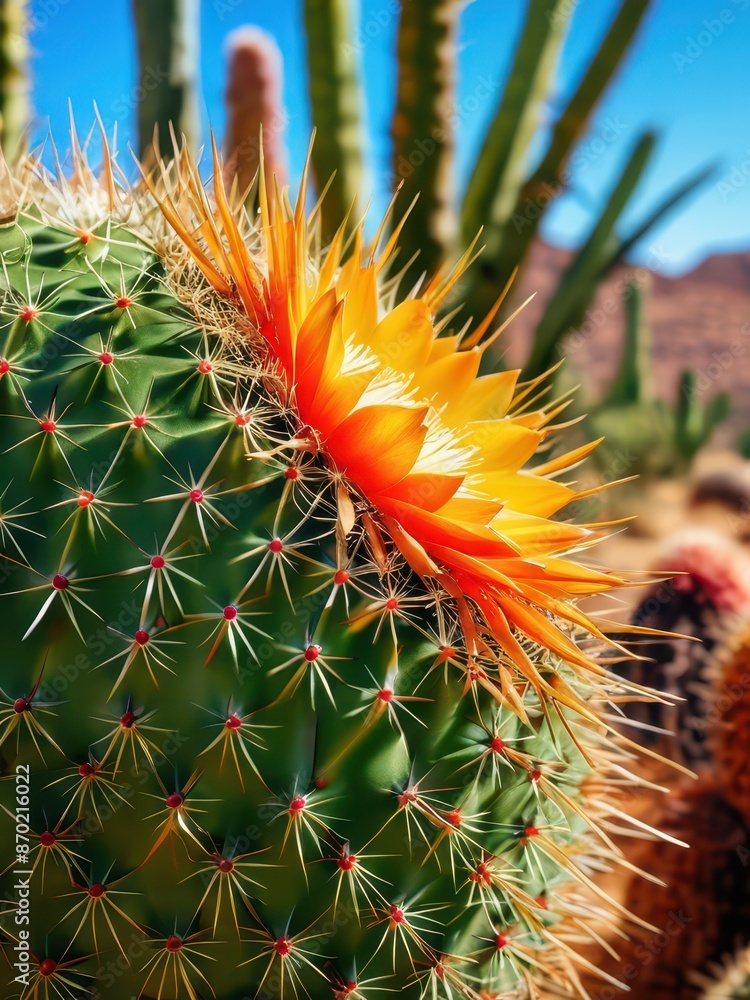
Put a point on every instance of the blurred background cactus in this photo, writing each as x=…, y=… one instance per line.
x=423, y=132
x=255, y=108
x=337, y=103
x=508, y=192
x=732, y=981
x=167, y=34
x=15, y=107
x=664, y=438
x=701, y=912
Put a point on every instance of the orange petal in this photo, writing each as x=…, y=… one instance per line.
x=313, y=342
x=410, y=549
x=427, y=490
x=377, y=446
x=537, y=536
x=430, y=528
x=449, y=380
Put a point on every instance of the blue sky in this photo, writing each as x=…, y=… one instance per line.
x=688, y=78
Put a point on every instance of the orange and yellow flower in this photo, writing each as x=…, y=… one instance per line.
x=441, y=454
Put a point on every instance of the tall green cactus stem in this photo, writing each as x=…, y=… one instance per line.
x=661, y=438
x=168, y=34
x=15, y=107
x=695, y=421
x=580, y=281
x=634, y=381
x=499, y=171
x=500, y=196
x=254, y=101
x=333, y=57
x=423, y=133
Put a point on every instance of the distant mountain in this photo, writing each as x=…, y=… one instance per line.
x=700, y=320
x=730, y=269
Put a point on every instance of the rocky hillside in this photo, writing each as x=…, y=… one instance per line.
x=700, y=320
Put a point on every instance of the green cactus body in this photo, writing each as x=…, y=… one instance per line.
x=667, y=437
x=260, y=758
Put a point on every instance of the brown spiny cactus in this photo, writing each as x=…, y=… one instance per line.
x=729, y=727
x=255, y=110
x=706, y=599
x=700, y=912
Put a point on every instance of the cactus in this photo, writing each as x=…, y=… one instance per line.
x=15, y=110
x=423, y=134
x=502, y=195
x=695, y=423
x=254, y=106
x=335, y=97
x=731, y=980
x=705, y=596
x=600, y=253
x=660, y=439
x=492, y=192
x=701, y=912
x=302, y=705
x=168, y=35
x=730, y=711
x=635, y=381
